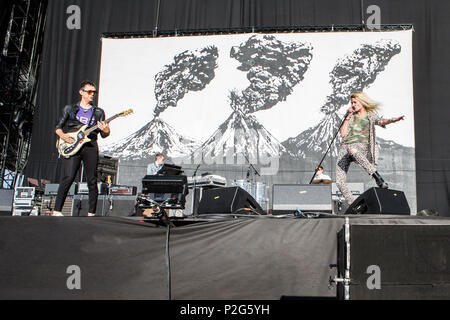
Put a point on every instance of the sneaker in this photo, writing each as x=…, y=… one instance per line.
x=57, y=214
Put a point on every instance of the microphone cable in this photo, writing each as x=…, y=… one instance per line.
x=165, y=218
x=169, y=272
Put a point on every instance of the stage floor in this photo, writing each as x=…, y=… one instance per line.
x=254, y=257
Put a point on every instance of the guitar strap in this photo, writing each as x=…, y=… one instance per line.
x=94, y=108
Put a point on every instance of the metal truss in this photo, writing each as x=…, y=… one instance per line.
x=20, y=60
x=286, y=29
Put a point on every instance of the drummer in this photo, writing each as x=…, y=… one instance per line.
x=320, y=177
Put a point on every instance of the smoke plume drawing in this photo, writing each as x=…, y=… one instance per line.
x=190, y=71
x=273, y=69
x=355, y=72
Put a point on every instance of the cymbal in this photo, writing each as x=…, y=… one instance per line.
x=322, y=181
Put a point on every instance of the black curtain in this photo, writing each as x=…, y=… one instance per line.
x=71, y=56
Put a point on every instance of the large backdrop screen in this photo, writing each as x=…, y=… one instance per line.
x=274, y=101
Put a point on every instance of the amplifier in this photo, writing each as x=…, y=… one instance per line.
x=52, y=189
x=113, y=205
x=84, y=189
x=120, y=205
x=26, y=211
x=123, y=190
x=24, y=196
x=287, y=198
x=6, y=200
x=80, y=205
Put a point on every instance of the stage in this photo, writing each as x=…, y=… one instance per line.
x=241, y=258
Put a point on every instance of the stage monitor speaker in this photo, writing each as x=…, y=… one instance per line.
x=287, y=198
x=6, y=202
x=380, y=201
x=120, y=205
x=227, y=200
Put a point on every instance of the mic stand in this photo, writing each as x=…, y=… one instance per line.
x=194, y=193
x=329, y=147
x=251, y=166
x=252, y=184
x=254, y=169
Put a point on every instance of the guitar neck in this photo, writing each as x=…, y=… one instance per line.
x=88, y=131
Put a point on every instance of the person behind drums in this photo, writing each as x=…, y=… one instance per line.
x=320, y=177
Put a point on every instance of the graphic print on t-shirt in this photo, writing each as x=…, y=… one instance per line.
x=84, y=115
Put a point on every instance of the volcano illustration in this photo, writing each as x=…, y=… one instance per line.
x=240, y=136
x=156, y=136
x=355, y=72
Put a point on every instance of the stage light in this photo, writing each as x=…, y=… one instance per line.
x=21, y=124
x=17, y=116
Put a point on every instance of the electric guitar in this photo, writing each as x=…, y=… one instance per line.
x=80, y=137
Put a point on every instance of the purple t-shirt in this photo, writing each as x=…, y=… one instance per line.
x=83, y=115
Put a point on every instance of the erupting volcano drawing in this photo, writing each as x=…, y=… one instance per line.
x=355, y=72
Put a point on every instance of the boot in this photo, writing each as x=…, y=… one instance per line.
x=379, y=180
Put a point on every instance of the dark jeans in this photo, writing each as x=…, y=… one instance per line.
x=89, y=155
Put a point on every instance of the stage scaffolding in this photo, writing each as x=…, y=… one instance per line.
x=20, y=60
x=283, y=29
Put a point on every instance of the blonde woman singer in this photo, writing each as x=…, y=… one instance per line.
x=358, y=141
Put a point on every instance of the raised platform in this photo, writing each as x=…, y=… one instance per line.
x=237, y=258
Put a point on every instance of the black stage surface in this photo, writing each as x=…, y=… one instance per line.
x=255, y=257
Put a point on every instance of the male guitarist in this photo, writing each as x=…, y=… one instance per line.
x=74, y=117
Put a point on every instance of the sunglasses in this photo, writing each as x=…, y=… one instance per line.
x=91, y=92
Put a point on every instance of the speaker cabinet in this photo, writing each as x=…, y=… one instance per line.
x=48, y=203
x=120, y=206
x=6, y=202
x=380, y=201
x=80, y=206
x=287, y=198
x=84, y=189
x=227, y=200
x=387, y=262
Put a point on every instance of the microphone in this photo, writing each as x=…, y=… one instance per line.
x=348, y=112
